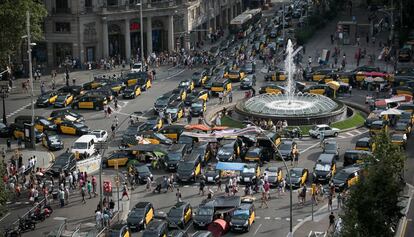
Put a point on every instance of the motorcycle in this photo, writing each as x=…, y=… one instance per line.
x=41, y=213
x=14, y=231
x=26, y=224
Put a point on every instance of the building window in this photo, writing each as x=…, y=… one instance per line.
x=62, y=4
x=88, y=3
x=112, y=2
x=62, y=27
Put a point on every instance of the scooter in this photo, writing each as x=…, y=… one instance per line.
x=14, y=231
x=26, y=224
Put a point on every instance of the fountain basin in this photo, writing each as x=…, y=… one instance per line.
x=297, y=109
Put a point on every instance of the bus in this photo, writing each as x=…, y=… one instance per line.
x=243, y=24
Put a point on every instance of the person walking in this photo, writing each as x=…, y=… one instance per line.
x=189, y=118
x=124, y=192
x=83, y=193
x=219, y=185
x=202, y=186
x=263, y=198
x=230, y=97
x=314, y=193
x=339, y=200
x=330, y=203
x=178, y=195
x=331, y=222
x=89, y=188
x=62, y=198
x=94, y=183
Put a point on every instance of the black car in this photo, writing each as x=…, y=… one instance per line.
x=248, y=82
x=131, y=92
x=143, y=172
x=250, y=172
x=175, y=110
x=179, y=94
x=156, y=228
x=211, y=174
x=196, y=95
x=162, y=102
x=187, y=85
x=52, y=142
x=176, y=152
x=67, y=112
x=179, y=215
x=346, y=178
x=46, y=99
x=298, y=176
x=177, y=233
x=226, y=152
x=331, y=147
x=5, y=131
x=285, y=149
x=66, y=162
x=249, y=68
x=74, y=90
x=140, y=216
x=203, y=216
x=325, y=168
x=132, y=131
x=198, y=108
x=63, y=100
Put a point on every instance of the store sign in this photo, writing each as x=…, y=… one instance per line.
x=134, y=26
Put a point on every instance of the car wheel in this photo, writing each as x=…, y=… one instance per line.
x=335, y=134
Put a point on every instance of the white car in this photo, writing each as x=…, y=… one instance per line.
x=324, y=129
x=101, y=135
x=137, y=67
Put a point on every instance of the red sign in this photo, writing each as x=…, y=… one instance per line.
x=135, y=26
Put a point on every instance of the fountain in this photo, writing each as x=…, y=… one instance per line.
x=297, y=108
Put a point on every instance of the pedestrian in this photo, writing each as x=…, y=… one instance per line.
x=148, y=185
x=189, y=118
x=116, y=103
x=339, y=200
x=113, y=131
x=94, y=186
x=116, y=121
x=202, y=185
x=263, y=198
x=330, y=203
x=67, y=194
x=124, y=192
x=230, y=97
x=178, y=195
x=350, y=89
x=221, y=98
x=227, y=190
x=367, y=38
x=331, y=221
x=111, y=205
x=314, y=193
x=171, y=182
x=332, y=39
x=303, y=194
x=62, y=198
x=219, y=184
x=109, y=112
x=89, y=188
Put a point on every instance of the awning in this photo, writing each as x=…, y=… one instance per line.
x=392, y=112
x=230, y=166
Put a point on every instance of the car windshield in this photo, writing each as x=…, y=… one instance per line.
x=174, y=156
x=142, y=169
x=137, y=212
x=129, y=89
x=330, y=147
x=285, y=146
x=136, y=66
x=196, y=105
x=2, y=125
x=252, y=153
x=79, y=125
x=172, y=110
x=185, y=166
x=341, y=176
x=248, y=170
x=54, y=138
x=362, y=144
x=96, y=134
x=315, y=128
x=61, y=161
x=241, y=214
x=397, y=137
x=175, y=212
x=295, y=173
x=160, y=136
x=80, y=145
x=61, y=97
x=45, y=121
x=205, y=211
x=161, y=102
x=44, y=96
x=322, y=167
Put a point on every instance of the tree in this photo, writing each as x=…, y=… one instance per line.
x=13, y=25
x=373, y=206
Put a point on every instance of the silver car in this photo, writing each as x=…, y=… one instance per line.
x=324, y=130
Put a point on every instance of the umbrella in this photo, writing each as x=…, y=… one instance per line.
x=369, y=79
x=391, y=112
x=201, y=127
x=378, y=79
x=333, y=85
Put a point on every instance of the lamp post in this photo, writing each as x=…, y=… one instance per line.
x=142, y=33
x=4, y=93
x=29, y=51
x=261, y=131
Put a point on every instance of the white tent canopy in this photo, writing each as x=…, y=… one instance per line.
x=391, y=112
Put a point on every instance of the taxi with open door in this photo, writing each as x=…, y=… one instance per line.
x=46, y=99
x=130, y=92
x=221, y=86
x=299, y=176
x=325, y=168
x=172, y=131
x=63, y=100
x=156, y=228
x=175, y=110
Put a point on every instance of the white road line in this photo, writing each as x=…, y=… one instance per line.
x=18, y=203
x=6, y=215
x=257, y=229
x=186, y=186
x=288, y=219
x=350, y=134
x=278, y=218
x=258, y=217
x=7, y=203
x=299, y=220
x=173, y=75
x=341, y=136
x=161, y=212
x=267, y=218
x=357, y=131
x=307, y=149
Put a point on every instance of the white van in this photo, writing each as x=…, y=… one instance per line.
x=85, y=145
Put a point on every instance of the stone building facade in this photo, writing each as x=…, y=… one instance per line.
x=89, y=30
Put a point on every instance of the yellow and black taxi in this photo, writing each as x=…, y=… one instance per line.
x=119, y=230
x=320, y=89
x=399, y=139
x=74, y=90
x=180, y=94
x=202, y=148
x=162, y=102
x=144, y=82
x=140, y=216
x=154, y=123
x=272, y=89
x=198, y=94
x=275, y=76
x=118, y=158
x=180, y=215
x=211, y=174
x=235, y=75
x=321, y=74
x=132, y=78
x=155, y=138
x=187, y=85
x=72, y=128
x=93, y=85
x=175, y=110
x=52, y=142
x=199, y=78
x=175, y=154
x=242, y=218
x=286, y=147
x=130, y=92
x=189, y=168
x=172, y=131
x=254, y=154
x=221, y=86
x=346, y=177
x=325, y=168
x=356, y=156
x=68, y=114
x=41, y=123
x=378, y=126
x=131, y=132
x=156, y=228
x=101, y=92
x=274, y=175
x=331, y=147
x=248, y=82
x=249, y=68
x=18, y=132
x=250, y=173
x=63, y=100
x=46, y=99
x=402, y=127
x=115, y=87
x=365, y=144
x=95, y=102
x=229, y=150
x=298, y=176
x=198, y=108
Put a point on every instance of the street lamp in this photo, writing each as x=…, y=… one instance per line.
x=261, y=131
x=142, y=33
x=4, y=93
x=29, y=52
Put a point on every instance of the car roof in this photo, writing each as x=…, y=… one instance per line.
x=245, y=206
x=322, y=125
x=297, y=169
x=180, y=205
x=176, y=147
x=326, y=158
x=364, y=139
x=142, y=204
x=350, y=169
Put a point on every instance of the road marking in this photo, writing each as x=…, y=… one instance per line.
x=278, y=218
x=26, y=202
x=186, y=186
x=257, y=229
x=341, y=136
x=258, y=217
x=161, y=212
x=357, y=131
x=307, y=149
x=6, y=215
x=299, y=220
x=8, y=203
x=18, y=203
x=288, y=219
x=174, y=75
x=349, y=134
x=267, y=218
